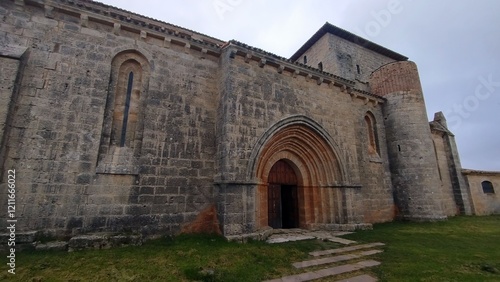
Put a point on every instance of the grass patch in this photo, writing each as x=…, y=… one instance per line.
x=185, y=258
x=460, y=249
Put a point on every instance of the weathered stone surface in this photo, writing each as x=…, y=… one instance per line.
x=345, y=249
x=52, y=246
x=484, y=202
x=115, y=127
x=336, y=270
x=334, y=259
x=102, y=241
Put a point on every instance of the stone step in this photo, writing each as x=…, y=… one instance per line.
x=360, y=278
x=339, y=258
x=345, y=249
x=341, y=241
x=322, y=273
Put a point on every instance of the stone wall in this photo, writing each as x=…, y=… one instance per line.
x=259, y=92
x=455, y=193
x=484, y=202
x=10, y=60
x=59, y=121
x=342, y=57
x=446, y=189
x=413, y=166
x=115, y=122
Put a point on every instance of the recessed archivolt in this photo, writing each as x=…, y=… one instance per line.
x=306, y=144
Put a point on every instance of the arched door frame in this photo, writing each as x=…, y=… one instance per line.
x=309, y=150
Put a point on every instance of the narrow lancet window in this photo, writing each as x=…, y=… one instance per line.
x=127, y=108
x=121, y=138
x=371, y=132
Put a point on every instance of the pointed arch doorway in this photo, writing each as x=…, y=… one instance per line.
x=283, y=203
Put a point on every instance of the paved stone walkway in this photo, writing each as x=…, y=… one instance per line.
x=346, y=249
x=336, y=270
x=328, y=260
x=344, y=254
x=289, y=235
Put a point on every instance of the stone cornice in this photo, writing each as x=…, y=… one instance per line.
x=91, y=11
x=168, y=34
x=480, y=172
x=262, y=58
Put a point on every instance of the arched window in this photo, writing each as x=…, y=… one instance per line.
x=487, y=187
x=126, y=106
x=121, y=138
x=371, y=132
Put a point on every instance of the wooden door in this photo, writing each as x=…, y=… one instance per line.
x=283, y=210
x=274, y=206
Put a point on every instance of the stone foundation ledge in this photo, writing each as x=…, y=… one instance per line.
x=24, y=241
x=265, y=233
x=103, y=241
x=21, y=237
x=260, y=235
x=27, y=241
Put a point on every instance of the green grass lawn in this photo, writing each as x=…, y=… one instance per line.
x=460, y=249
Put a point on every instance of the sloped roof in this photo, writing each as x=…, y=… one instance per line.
x=329, y=28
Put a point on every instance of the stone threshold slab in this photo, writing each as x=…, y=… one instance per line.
x=345, y=249
x=289, y=239
x=308, y=276
x=327, y=260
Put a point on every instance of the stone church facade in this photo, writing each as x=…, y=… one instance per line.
x=115, y=122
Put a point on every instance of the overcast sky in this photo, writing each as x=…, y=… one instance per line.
x=456, y=45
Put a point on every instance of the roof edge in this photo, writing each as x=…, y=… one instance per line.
x=342, y=33
x=107, y=10
x=483, y=172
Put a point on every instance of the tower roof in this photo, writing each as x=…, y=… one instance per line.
x=342, y=33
